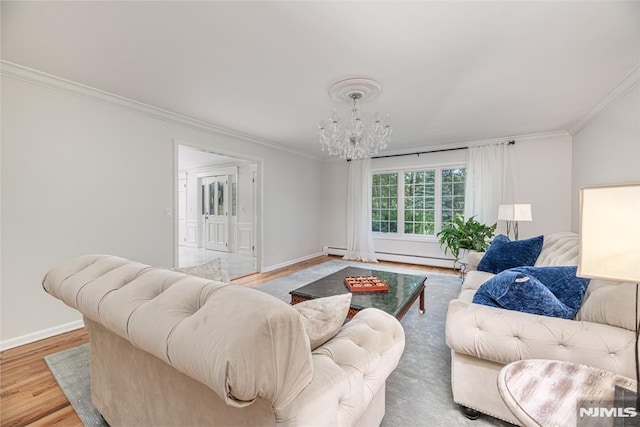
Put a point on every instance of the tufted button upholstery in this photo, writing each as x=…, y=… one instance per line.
x=177, y=318
x=245, y=345
x=348, y=371
x=483, y=339
x=504, y=336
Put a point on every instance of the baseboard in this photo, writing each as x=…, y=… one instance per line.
x=407, y=259
x=39, y=335
x=288, y=263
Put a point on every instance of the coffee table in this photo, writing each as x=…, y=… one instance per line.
x=403, y=291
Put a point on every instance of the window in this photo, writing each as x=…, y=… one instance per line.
x=453, y=181
x=385, y=203
x=417, y=202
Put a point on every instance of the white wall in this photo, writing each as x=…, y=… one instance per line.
x=81, y=176
x=541, y=170
x=607, y=150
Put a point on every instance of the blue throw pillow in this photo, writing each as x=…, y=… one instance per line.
x=562, y=282
x=513, y=290
x=504, y=254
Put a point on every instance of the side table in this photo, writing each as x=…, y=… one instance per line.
x=547, y=392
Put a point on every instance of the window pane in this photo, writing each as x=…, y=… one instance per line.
x=447, y=203
x=419, y=208
x=384, y=202
x=453, y=186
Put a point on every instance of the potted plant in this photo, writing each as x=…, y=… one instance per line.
x=464, y=236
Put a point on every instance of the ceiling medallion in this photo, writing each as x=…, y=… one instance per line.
x=359, y=140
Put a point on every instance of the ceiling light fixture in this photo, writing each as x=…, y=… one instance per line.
x=359, y=140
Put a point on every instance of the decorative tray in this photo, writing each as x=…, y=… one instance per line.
x=365, y=284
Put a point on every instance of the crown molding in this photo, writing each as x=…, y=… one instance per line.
x=623, y=87
x=20, y=72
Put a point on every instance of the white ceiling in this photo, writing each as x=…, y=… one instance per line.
x=450, y=71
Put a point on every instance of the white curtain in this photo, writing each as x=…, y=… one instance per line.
x=488, y=183
x=359, y=234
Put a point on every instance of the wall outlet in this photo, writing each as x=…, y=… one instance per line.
x=168, y=213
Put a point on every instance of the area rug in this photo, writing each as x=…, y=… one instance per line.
x=418, y=391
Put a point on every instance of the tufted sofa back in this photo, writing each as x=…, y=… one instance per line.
x=241, y=343
x=559, y=249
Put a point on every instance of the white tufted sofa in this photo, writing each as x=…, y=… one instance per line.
x=483, y=339
x=172, y=349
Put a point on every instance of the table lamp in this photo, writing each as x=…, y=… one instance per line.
x=512, y=214
x=610, y=239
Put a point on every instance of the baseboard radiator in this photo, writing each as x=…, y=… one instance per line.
x=397, y=257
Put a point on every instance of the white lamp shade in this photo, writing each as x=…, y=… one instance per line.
x=516, y=212
x=610, y=233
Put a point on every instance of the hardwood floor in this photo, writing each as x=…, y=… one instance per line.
x=29, y=395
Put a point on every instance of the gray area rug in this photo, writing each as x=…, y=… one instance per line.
x=70, y=368
x=418, y=391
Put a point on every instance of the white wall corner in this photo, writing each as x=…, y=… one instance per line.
x=623, y=87
x=39, y=335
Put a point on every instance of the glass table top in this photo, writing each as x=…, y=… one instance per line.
x=403, y=289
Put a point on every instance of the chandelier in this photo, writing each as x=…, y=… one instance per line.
x=359, y=139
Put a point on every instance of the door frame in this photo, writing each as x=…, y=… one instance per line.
x=258, y=207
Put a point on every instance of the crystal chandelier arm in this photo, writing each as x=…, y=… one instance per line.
x=359, y=139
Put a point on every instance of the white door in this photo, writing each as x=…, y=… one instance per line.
x=216, y=215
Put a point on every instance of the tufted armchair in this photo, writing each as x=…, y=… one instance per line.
x=173, y=349
x=483, y=339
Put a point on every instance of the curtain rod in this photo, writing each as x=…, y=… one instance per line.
x=512, y=142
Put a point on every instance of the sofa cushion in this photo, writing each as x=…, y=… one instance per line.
x=522, y=291
x=323, y=317
x=504, y=254
x=609, y=303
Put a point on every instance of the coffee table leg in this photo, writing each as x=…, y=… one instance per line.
x=422, y=301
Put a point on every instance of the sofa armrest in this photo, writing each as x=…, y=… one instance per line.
x=504, y=336
x=474, y=259
x=348, y=371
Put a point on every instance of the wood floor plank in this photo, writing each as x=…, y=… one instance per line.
x=29, y=395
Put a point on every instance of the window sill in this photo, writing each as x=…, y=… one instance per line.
x=405, y=238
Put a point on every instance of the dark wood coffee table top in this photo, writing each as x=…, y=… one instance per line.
x=404, y=289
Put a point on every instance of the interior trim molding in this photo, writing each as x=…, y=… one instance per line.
x=39, y=335
x=624, y=86
x=291, y=262
x=20, y=72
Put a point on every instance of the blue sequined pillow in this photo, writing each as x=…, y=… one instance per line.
x=504, y=254
x=522, y=289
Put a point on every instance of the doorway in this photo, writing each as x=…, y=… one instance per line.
x=218, y=213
